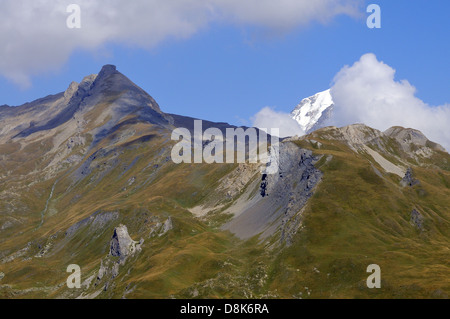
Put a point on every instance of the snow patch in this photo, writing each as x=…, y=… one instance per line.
x=312, y=110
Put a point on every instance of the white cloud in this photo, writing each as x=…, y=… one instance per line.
x=368, y=93
x=35, y=38
x=267, y=118
x=285, y=14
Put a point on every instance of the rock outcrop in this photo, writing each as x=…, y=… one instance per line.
x=408, y=179
x=412, y=140
x=417, y=219
x=280, y=197
x=168, y=225
x=121, y=243
x=122, y=246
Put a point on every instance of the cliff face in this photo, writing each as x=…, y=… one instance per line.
x=280, y=197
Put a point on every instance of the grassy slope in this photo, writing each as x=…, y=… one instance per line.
x=192, y=252
x=355, y=218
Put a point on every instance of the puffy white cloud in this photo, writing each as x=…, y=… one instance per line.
x=368, y=93
x=35, y=37
x=268, y=118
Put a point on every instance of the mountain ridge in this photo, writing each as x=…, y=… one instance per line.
x=343, y=198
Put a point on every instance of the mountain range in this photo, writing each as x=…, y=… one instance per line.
x=86, y=178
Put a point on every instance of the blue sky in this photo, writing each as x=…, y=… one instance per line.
x=228, y=72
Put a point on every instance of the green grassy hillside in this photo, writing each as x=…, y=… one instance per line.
x=358, y=215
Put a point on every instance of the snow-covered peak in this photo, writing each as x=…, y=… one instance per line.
x=314, y=111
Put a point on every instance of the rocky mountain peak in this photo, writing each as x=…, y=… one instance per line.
x=110, y=87
x=110, y=78
x=109, y=73
x=111, y=82
x=107, y=69
x=408, y=137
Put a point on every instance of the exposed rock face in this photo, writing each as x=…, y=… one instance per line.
x=356, y=136
x=408, y=179
x=74, y=99
x=410, y=138
x=280, y=197
x=107, y=69
x=79, y=88
x=168, y=225
x=73, y=87
x=235, y=182
x=417, y=219
x=310, y=177
x=159, y=228
x=263, y=186
x=316, y=143
x=102, y=271
x=121, y=243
